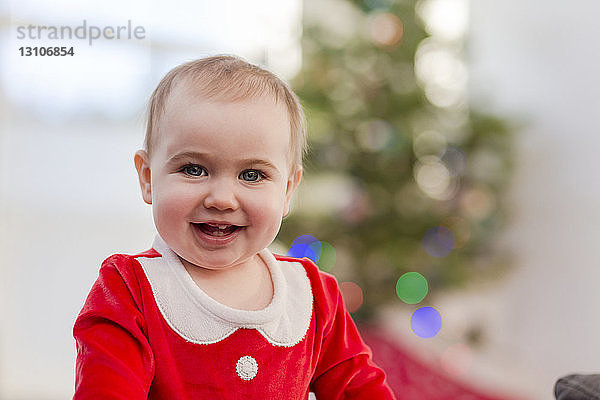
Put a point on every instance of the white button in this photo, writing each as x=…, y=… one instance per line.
x=246, y=368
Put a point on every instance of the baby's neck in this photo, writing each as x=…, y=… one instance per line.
x=245, y=287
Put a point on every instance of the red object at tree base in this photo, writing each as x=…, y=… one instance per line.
x=413, y=379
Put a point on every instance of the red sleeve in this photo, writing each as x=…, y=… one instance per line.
x=345, y=369
x=114, y=359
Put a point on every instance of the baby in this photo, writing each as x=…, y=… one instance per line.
x=209, y=312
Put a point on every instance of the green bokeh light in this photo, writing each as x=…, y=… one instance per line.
x=327, y=259
x=412, y=287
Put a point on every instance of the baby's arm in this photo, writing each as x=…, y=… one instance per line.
x=345, y=369
x=114, y=359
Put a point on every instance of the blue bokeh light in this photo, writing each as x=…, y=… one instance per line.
x=312, y=242
x=426, y=322
x=438, y=241
x=306, y=246
x=301, y=250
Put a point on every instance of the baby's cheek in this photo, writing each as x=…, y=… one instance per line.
x=268, y=210
x=174, y=202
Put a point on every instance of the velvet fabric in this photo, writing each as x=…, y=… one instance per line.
x=126, y=349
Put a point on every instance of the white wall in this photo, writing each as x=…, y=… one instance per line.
x=538, y=61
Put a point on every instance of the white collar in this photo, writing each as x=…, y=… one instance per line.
x=198, y=318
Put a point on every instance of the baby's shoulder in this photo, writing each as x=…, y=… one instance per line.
x=323, y=284
x=125, y=265
x=119, y=258
x=312, y=270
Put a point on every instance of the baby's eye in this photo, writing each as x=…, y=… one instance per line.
x=251, y=175
x=193, y=170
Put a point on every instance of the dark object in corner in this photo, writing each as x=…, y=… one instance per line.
x=578, y=387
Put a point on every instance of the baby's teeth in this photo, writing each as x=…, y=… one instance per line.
x=222, y=226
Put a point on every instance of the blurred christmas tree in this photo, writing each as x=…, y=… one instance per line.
x=402, y=174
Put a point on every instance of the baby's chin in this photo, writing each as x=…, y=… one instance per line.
x=214, y=263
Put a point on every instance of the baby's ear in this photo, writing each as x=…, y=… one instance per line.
x=142, y=165
x=292, y=183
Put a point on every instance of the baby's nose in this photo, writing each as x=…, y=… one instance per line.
x=221, y=196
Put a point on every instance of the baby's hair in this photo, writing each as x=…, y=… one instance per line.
x=228, y=78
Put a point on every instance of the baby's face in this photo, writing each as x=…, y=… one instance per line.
x=220, y=178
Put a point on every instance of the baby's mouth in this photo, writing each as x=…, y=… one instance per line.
x=216, y=229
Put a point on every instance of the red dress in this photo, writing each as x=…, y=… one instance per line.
x=147, y=331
